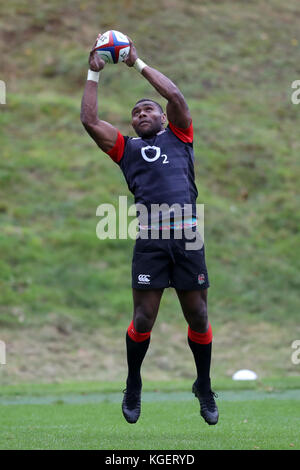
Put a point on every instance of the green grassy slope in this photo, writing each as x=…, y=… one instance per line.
x=235, y=62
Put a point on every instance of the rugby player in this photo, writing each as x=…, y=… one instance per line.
x=158, y=166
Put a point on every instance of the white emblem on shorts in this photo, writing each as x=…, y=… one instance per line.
x=201, y=279
x=143, y=279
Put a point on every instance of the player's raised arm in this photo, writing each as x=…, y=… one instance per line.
x=103, y=133
x=177, y=109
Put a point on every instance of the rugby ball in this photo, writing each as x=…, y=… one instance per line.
x=113, y=47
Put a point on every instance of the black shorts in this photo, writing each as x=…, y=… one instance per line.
x=161, y=263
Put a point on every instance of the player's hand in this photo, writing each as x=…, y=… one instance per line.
x=95, y=62
x=132, y=56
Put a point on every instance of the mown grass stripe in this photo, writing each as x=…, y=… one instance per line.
x=116, y=397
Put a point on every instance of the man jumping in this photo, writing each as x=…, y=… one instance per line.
x=158, y=166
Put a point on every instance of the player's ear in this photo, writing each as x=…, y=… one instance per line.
x=163, y=118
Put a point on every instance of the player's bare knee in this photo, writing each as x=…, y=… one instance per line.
x=143, y=319
x=198, y=319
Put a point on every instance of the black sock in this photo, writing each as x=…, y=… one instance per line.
x=136, y=352
x=202, y=356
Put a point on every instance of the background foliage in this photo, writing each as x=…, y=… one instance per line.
x=60, y=286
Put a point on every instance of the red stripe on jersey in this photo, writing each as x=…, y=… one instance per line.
x=185, y=135
x=116, y=153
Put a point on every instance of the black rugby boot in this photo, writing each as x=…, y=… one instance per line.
x=131, y=405
x=208, y=407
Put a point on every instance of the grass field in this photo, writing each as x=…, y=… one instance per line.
x=53, y=417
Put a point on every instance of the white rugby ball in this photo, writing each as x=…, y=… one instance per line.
x=244, y=374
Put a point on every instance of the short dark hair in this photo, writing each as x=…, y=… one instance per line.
x=152, y=101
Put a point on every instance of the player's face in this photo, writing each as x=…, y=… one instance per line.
x=147, y=119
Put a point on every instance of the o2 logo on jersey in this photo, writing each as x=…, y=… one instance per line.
x=152, y=153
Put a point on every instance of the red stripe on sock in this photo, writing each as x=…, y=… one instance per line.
x=201, y=338
x=135, y=335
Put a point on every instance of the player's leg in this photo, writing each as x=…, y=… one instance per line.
x=150, y=275
x=145, y=308
x=190, y=278
x=194, y=307
x=146, y=305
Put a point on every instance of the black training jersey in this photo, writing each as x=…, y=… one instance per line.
x=159, y=170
